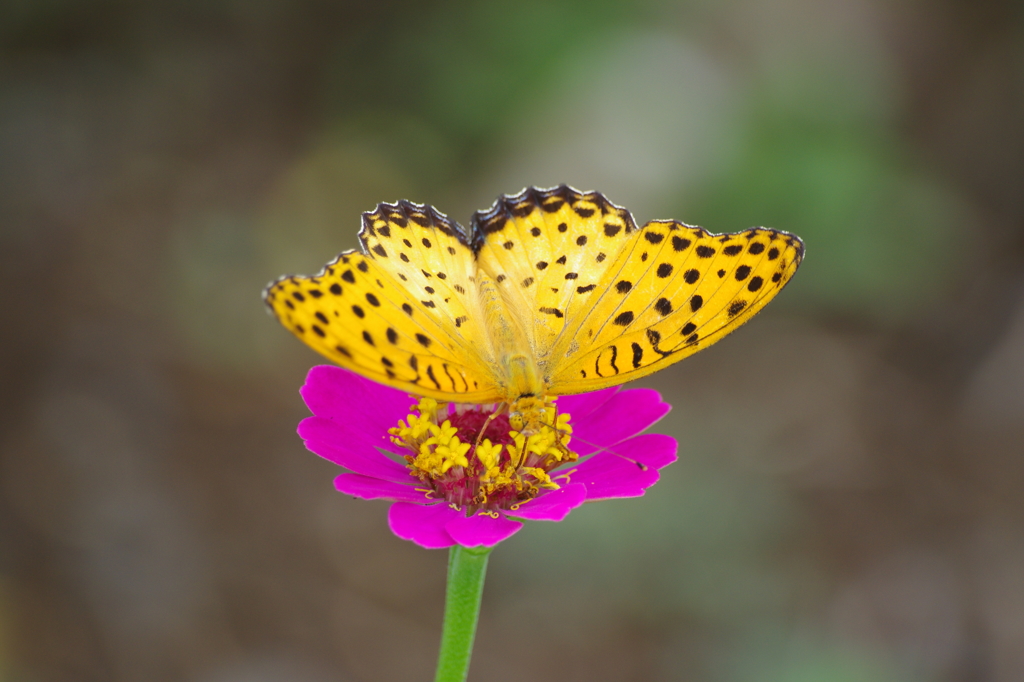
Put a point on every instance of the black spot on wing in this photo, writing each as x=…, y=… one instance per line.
x=735, y=307
x=654, y=338
x=680, y=243
x=638, y=354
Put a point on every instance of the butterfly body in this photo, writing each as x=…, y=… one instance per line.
x=549, y=292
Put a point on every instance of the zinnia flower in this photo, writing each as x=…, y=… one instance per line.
x=458, y=474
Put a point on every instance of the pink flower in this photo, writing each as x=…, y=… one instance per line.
x=444, y=492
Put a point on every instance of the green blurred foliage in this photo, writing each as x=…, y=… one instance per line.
x=467, y=69
x=884, y=236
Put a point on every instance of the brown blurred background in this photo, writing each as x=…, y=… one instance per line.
x=847, y=506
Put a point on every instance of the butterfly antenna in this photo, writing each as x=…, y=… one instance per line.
x=598, y=449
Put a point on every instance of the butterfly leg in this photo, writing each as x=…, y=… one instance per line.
x=480, y=435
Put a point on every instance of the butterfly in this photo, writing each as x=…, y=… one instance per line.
x=549, y=292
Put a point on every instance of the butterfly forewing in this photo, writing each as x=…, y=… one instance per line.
x=404, y=326
x=675, y=291
x=548, y=250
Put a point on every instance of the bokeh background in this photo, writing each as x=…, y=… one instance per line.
x=848, y=503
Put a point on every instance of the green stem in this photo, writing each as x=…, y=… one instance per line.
x=467, y=567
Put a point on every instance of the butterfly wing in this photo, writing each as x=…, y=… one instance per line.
x=402, y=313
x=548, y=251
x=673, y=291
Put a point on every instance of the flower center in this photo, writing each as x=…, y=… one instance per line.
x=470, y=456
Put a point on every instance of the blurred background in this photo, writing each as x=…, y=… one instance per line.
x=847, y=504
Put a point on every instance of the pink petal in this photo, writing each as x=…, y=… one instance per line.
x=481, y=529
x=344, y=433
x=342, y=396
x=423, y=524
x=374, y=465
x=554, y=505
x=351, y=450
x=375, y=489
x=582, y=404
x=625, y=414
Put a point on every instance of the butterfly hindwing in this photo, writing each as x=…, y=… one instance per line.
x=676, y=290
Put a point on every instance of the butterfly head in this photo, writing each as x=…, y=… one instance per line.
x=527, y=413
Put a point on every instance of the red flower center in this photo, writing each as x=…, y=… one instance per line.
x=469, y=456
